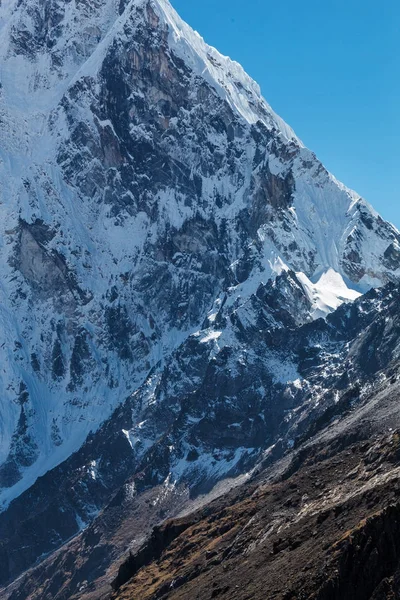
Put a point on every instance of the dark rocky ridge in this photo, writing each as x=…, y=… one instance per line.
x=325, y=529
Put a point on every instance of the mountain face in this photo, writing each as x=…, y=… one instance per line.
x=144, y=182
x=167, y=246
x=316, y=456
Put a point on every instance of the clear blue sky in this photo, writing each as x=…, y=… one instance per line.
x=331, y=69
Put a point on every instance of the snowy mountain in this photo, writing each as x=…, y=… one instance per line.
x=151, y=202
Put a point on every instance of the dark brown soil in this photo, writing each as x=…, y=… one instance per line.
x=329, y=531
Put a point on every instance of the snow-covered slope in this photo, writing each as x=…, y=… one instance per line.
x=144, y=181
x=329, y=292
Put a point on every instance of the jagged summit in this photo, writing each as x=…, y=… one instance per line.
x=80, y=31
x=226, y=76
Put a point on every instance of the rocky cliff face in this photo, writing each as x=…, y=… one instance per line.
x=164, y=238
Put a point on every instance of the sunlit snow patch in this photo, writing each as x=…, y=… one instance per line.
x=328, y=293
x=209, y=336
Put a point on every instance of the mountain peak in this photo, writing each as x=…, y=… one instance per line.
x=150, y=199
x=227, y=77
